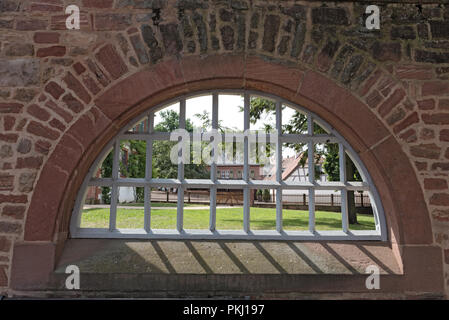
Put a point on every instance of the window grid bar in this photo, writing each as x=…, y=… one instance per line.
x=180, y=206
x=213, y=168
x=279, y=166
x=311, y=172
x=246, y=193
x=344, y=192
x=114, y=192
x=148, y=173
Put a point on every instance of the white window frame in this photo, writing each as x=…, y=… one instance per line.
x=245, y=183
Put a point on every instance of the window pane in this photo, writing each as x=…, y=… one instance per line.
x=163, y=208
x=140, y=126
x=327, y=210
x=196, y=208
x=229, y=209
x=95, y=209
x=132, y=158
x=104, y=169
x=167, y=119
x=199, y=113
x=293, y=121
x=130, y=210
x=163, y=168
x=295, y=209
x=294, y=163
x=263, y=210
x=262, y=114
x=359, y=205
x=230, y=112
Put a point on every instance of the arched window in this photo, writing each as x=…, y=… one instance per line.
x=229, y=165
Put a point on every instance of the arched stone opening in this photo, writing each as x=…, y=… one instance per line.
x=407, y=216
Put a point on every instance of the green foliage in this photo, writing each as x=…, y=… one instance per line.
x=161, y=150
x=266, y=195
x=106, y=171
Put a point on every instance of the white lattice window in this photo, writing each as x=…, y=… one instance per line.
x=297, y=200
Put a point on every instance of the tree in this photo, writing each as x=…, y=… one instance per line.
x=298, y=125
x=161, y=150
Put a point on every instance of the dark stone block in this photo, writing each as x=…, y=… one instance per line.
x=432, y=57
x=334, y=16
x=351, y=69
x=297, y=12
x=423, y=31
x=439, y=29
x=386, y=51
x=283, y=45
x=241, y=31
x=226, y=15
x=139, y=49
x=298, y=40
x=403, y=32
x=271, y=29
x=152, y=43
x=340, y=61
x=192, y=4
x=172, y=40
x=406, y=15
x=239, y=5
x=227, y=37
x=252, y=40
x=202, y=32
x=255, y=20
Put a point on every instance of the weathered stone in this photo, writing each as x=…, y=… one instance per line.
x=227, y=37
x=423, y=31
x=226, y=15
x=108, y=21
x=283, y=45
x=403, y=32
x=172, y=40
x=327, y=15
x=252, y=40
x=386, y=51
x=298, y=40
x=340, y=61
x=405, y=15
x=241, y=32
x=139, y=49
x=19, y=72
x=271, y=29
x=9, y=5
x=351, y=69
x=327, y=53
x=239, y=5
x=192, y=4
x=201, y=30
x=26, y=181
x=152, y=43
x=19, y=49
x=254, y=20
x=25, y=95
x=6, y=151
x=439, y=29
x=186, y=27
x=24, y=146
x=297, y=12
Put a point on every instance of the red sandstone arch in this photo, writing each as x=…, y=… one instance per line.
x=53, y=199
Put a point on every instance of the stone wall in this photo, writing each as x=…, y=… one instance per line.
x=50, y=79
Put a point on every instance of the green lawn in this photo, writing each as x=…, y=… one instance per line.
x=227, y=219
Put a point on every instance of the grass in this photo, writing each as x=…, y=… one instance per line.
x=227, y=219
